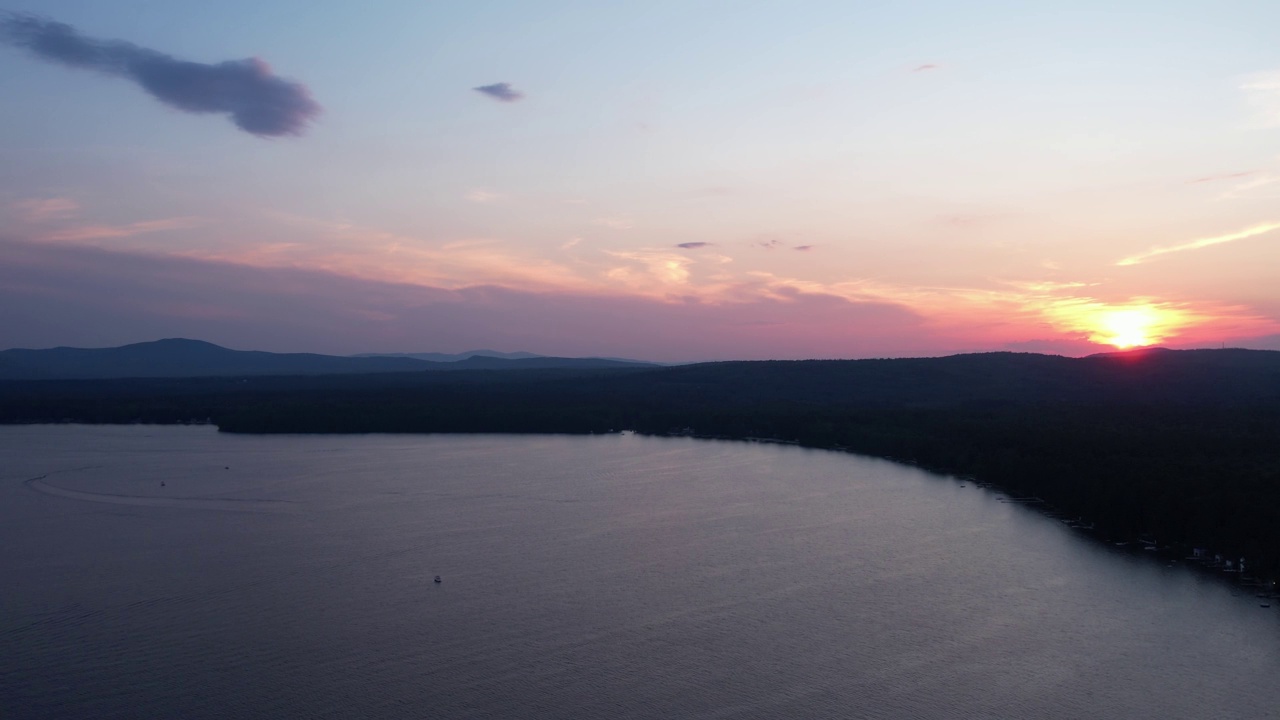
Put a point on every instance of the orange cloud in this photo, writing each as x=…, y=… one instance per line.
x=373, y=254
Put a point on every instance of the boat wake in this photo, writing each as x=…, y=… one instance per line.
x=193, y=503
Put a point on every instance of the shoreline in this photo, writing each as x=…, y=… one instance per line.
x=1175, y=554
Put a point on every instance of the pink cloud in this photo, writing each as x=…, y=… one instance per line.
x=40, y=210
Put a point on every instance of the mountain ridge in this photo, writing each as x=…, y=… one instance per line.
x=454, y=357
x=184, y=357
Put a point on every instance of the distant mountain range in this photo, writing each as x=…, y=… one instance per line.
x=454, y=357
x=178, y=357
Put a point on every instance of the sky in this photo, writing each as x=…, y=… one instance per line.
x=670, y=180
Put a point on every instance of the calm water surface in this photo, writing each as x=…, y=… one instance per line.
x=583, y=577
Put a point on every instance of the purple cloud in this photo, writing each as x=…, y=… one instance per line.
x=804, y=248
x=693, y=245
x=923, y=68
x=258, y=101
x=500, y=91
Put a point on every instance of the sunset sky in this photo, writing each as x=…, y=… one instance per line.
x=668, y=180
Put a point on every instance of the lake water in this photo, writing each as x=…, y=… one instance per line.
x=582, y=577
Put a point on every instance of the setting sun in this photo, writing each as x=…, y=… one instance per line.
x=1128, y=328
x=1136, y=324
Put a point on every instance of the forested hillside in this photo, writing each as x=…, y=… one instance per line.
x=1181, y=448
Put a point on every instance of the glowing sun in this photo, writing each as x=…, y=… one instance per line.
x=1132, y=325
x=1128, y=328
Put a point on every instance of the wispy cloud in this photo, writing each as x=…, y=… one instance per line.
x=258, y=101
x=502, y=92
x=1045, y=286
x=617, y=223
x=480, y=195
x=40, y=210
x=98, y=232
x=1253, y=183
x=1262, y=92
x=925, y=68
x=775, y=242
x=1225, y=176
x=692, y=245
x=374, y=253
x=1249, y=232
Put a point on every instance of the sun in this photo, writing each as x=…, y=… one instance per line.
x=1139, y=323
x=1129, y=328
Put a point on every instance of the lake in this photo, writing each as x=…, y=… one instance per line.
x=175, y=572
